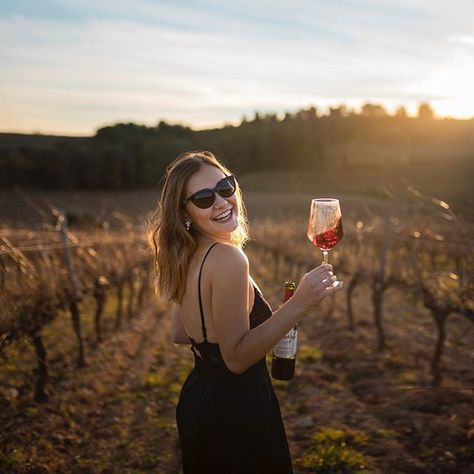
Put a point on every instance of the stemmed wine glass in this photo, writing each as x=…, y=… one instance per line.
x=325, y=224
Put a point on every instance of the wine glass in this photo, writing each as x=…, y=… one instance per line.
x=325, y=224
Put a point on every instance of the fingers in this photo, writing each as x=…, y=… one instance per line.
x=330, y=280
x=327, y=266
x=322, y=280
x=335, y=286
x=317, y=284
x=324, y=267
x=321, y=273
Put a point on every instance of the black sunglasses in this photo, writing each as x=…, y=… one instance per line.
x=205, y=198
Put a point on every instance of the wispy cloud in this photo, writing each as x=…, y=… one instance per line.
x=74, y=65
x=469, y=40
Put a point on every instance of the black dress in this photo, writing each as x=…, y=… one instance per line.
x=230, y=423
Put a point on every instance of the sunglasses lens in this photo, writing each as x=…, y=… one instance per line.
x=204, y=199
x=226, y=187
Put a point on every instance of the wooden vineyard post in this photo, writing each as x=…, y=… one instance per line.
x=349, y=294
x=73, y=293
x=144, y=281
x=440, y=313
x=379, y=285
x=42, y=370
x=99, y=295
x=118, y=316
x=131, y=294
x=356, y=276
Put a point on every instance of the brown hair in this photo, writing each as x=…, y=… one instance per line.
x=171, y=243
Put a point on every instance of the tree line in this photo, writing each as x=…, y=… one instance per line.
x=131, y=156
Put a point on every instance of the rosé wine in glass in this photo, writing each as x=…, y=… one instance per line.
x=325, y=224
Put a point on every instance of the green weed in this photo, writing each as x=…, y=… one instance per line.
x=309, y=354
x=154, y=379
x=333, y=451
x=386, y=434
x=408, y=376
x=16, y=457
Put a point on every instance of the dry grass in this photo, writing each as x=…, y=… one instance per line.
x=349, y=408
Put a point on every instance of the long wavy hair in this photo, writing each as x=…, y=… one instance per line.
x=171, y=243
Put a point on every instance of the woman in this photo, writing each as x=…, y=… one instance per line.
x=228, y=415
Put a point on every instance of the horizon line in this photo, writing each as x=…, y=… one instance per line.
x=222, y=124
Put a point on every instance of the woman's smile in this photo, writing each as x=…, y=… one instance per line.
x=224, y=216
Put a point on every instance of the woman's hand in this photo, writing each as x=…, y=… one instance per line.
x=316, y=285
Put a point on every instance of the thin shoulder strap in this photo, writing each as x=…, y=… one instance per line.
x=204, y=333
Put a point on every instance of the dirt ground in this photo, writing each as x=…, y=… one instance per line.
x=348, y=409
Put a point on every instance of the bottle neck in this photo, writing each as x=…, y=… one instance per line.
x=288, y=294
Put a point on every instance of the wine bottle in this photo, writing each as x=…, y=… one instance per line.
x=284, y=353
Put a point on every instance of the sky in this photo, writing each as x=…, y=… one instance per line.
x=69, y=67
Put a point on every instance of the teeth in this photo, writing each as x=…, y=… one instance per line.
x=223, y=215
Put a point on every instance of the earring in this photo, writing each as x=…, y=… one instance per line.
x=187, y=223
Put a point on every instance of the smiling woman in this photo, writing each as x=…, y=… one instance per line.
x=213, y=211
x=197, y=190
x=228, y=415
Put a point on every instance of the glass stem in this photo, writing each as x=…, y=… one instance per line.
x=325, y=255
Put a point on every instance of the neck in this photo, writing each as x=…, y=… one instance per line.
x=205, y=239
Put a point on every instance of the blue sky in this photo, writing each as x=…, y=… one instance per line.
x=71, y=66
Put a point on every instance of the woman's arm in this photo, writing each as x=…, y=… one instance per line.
x=178, y=333
x=241, y=347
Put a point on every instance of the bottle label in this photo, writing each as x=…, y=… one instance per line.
x=286, y=348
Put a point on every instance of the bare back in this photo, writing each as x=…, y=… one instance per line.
x=189, y=308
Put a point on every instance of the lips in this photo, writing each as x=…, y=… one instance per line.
x=223, y=215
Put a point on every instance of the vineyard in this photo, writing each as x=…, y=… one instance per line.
x=385, y=372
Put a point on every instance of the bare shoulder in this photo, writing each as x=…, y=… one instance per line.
x=226, y=259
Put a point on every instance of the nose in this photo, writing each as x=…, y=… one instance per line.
x=220, y=201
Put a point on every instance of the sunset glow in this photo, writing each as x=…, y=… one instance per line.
x=70, y=67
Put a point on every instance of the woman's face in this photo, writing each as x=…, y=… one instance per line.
x=222, y=218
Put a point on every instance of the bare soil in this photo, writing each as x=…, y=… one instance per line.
x=118, y=413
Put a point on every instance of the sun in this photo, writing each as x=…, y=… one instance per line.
x=450, y=85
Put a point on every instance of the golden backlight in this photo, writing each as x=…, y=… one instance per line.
x=451, y=88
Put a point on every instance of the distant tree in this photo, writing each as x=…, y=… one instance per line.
x=373, y=110
x=307, y=114
x=127, y=155
x=401, y=112
x=269, y=118
x=174, y=130
x=425, y=111
x=123, y=132
x=339, y=111
x=312, y=112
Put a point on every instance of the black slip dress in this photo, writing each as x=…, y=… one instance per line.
x=230, y=423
